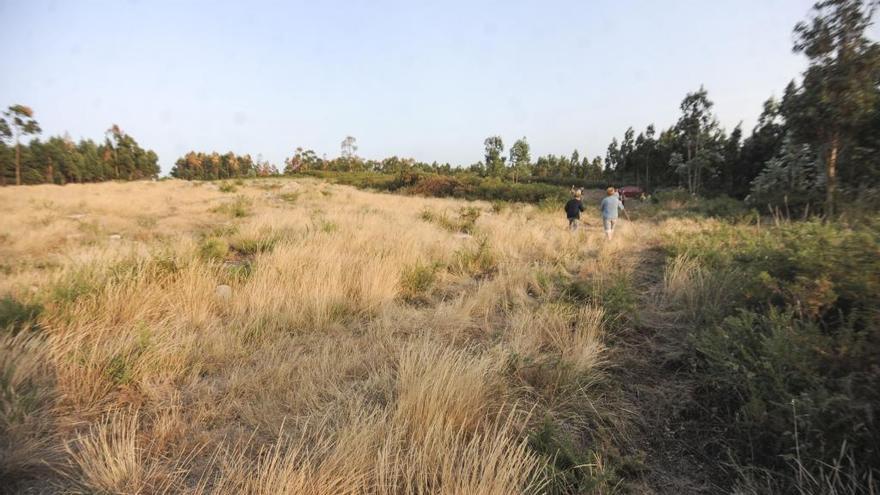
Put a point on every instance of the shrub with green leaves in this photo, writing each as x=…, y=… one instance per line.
x=17, y=316
x=793, y=359
x=460, y=185
x=568, y=465
x=476, y=260
x=240, y=207
x=250, y=245
x=465, y=221
x=417, y=280
x=213, y=248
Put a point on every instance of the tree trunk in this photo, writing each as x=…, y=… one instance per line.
x=831, y=172
x=50, y=174
x=17, y=163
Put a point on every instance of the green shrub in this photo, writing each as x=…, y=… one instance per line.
x=147, y=221
x=240, y=271
x=723, y=207
x=17, y=316
x=290, y=197
x=477, y=260
x=467, y=219
x=240, y=207
x=250, y=246
x=119, y=370
x=499, y=206
x=213, y=248
x=227, y=187
x=568, y=465
x=417, y=280
x=82, y=282
x=460, y=185
x=791, y=362
x=439, y=186
x=678, y=203
x=465, y=222
x=782, y=384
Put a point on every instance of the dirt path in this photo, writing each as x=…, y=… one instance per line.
x=652, y=373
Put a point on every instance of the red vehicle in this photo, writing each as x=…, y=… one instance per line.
x=631, y=191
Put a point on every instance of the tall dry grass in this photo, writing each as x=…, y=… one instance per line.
x=359, y=348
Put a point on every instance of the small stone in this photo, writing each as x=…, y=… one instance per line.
x=34, y=289
x=115, y=237
x=461, y=235
x=223, y=292
x=76, y=216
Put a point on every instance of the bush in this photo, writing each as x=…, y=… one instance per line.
x=569, y=466
x=240, y=207
x=290, y=197
x=792, y=360
x=678, y=203
x=462, y=185
x=417, y=280
x=478, y=260
x=723, y=207
x=214, y=248
x=17, y=316
x=466, y=221
x=253, y=245
x=783, y=381
x=439, y=186
x=227, y=187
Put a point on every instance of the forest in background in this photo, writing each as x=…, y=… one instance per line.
x=689, y=355
x=818, y=143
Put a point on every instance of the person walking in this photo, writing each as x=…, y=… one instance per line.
x=610, y=206
x=573, y=209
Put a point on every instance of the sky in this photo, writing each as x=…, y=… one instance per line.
x=427, y=80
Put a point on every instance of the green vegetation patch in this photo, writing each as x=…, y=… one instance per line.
x=571, y=468
x=16, y=316
x=790, y=361
x=240, y=207
x=417, y=280
x=213, y=248
x=227, y=187
x=465, y=221
x=477, y=260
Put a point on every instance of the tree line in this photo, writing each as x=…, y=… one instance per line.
x=821, y=139
x=213, y=166
x=60, y=160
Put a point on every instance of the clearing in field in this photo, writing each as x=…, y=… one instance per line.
x=299, y=337
x=281, y=336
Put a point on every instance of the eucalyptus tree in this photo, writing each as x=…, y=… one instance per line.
x=18, y=121
x=697, y=126
x=520, y=159
x=494, y=150
x=839, y=90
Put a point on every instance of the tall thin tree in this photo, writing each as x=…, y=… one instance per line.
x=839, y=88
x=19, y=121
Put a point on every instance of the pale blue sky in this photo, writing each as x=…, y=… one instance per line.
x=428, y=80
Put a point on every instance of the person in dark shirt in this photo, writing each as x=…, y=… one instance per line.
x=573, y=209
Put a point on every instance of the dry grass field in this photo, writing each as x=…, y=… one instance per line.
x=299, y=337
